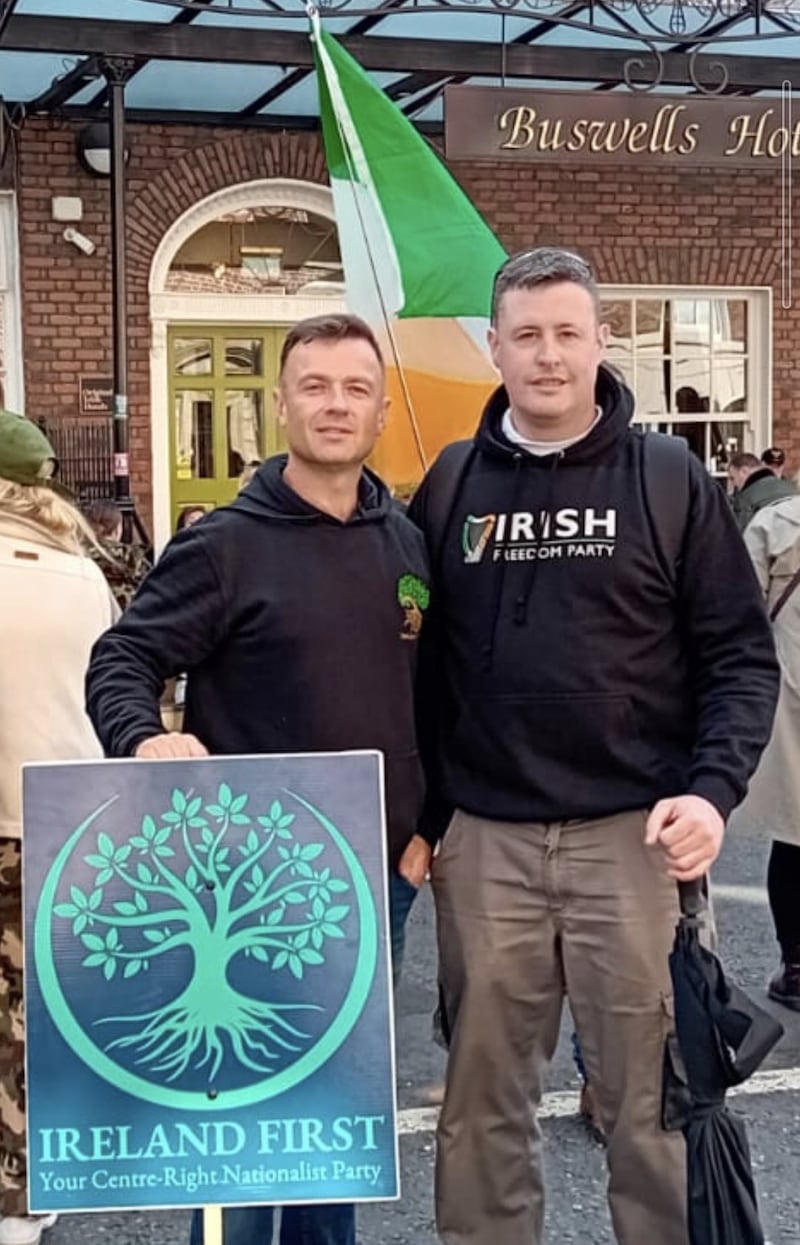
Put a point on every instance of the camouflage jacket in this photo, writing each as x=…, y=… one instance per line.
x=124, y=567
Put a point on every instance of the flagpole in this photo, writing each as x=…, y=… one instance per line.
x=313, y=15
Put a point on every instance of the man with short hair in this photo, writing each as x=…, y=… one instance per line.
x=295, y=611
x=603, y=700
x=755, y=485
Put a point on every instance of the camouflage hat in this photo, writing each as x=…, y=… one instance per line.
x=26, y=456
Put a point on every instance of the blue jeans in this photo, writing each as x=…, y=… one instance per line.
x=401, y=897
x=300, y=1225
x=333, y=1224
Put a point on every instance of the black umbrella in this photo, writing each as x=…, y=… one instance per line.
x=720, y=1039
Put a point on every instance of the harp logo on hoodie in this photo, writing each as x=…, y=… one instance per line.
x=525, y=536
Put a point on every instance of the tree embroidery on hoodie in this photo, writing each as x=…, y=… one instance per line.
x=414, y=597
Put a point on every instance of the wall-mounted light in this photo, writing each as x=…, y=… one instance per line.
x=262, y=261
x=94, y=149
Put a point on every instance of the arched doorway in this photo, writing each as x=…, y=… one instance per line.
x=228, y=279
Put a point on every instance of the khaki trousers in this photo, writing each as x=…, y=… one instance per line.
x=525, y=913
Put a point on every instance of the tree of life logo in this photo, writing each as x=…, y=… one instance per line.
x=225, y=951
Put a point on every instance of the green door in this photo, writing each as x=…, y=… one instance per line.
x=221, y=408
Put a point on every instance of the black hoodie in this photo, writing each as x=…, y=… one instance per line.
x=293, y=632
x=574, y=677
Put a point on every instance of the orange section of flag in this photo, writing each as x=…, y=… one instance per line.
x=447, y=378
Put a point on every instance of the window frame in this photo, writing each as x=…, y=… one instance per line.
x=11, y=365
x=756, y=421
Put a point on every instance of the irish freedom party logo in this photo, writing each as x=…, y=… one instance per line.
x=213, y=954
x=476, y=534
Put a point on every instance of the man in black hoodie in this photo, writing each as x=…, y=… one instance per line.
x=601, y=708
x=295, y=612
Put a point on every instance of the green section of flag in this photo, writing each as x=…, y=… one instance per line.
x=446, y=252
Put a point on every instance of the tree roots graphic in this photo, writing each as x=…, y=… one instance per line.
x=191, y=1032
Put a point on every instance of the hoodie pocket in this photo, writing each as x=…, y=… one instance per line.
x=542, y=740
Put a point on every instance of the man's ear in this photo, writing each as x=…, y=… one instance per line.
x=384, y=414
x=280, y=409
x=491, y=338
x=603, y=334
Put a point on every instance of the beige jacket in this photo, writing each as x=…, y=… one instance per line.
x=53, y=606
x=773, y=803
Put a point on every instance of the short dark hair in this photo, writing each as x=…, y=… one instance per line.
x=185, y=516
x=742, y=460
x=774, y=457
x=544, y=265
x=336, y=327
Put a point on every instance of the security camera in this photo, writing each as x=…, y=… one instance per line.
x=80, y=241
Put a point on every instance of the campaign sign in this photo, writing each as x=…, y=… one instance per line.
x=208, y=1001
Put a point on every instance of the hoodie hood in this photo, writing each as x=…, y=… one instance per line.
x=758, y=477
x=269, y=497
x=611, y=395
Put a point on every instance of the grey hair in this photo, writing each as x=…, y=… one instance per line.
x=545, y=265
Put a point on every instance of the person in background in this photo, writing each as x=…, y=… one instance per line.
x=296, y=611
x=754, y=486
x=123, y=565
x=775, y=459
x=188, y=516
x=55, y=605
x=773, y=802
x=248, y=472
x=105, y=518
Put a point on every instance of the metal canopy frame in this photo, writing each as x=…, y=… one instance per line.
x=668, y=39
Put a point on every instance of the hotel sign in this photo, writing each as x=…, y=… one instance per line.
x=525, y=124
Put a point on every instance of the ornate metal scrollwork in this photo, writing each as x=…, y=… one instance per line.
x=636, y=64
x=656, y=26
x=717, y=67
x=689, y=20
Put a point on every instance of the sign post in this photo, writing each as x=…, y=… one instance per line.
x=212, y=1225
x=208, y=1001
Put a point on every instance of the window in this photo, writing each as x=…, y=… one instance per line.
x=223, y=414
x=697, y=362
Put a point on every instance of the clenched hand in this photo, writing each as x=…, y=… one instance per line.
x=689, y=831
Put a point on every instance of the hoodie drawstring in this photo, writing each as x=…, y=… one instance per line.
x=487, y=652
x=520, y=612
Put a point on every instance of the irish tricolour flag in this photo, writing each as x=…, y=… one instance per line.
x=418, y=263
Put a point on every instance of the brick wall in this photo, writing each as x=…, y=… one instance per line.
x=644, y=226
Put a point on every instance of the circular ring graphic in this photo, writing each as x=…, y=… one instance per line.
x=259, y=1091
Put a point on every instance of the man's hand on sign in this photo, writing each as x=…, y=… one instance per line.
x=171, y=747
x=415, y=862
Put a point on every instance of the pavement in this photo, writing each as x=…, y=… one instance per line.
x=576, y=1210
